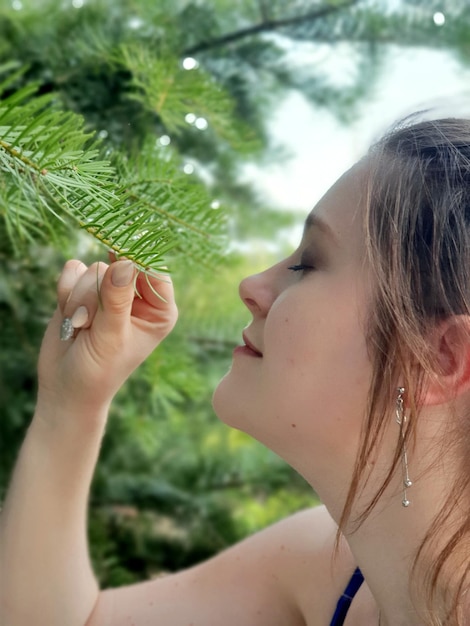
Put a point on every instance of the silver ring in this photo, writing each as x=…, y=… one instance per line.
x=66, y=329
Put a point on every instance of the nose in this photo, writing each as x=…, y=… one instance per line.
x=258, y=292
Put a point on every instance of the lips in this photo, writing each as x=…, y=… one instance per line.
x=250, y=345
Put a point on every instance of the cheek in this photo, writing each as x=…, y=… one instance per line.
x=318, y=367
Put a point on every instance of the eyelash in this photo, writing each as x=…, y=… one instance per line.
x=302, y=267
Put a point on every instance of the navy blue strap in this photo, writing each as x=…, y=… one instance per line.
x=344, y=602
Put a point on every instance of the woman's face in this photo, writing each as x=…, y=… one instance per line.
x=299, y=385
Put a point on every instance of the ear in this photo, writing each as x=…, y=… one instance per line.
x=450, y=350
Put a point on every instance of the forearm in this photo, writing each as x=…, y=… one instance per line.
x=45, y=571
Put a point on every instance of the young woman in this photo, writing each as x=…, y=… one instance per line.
x=355, y=368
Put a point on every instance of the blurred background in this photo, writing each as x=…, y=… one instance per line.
x=263, y=103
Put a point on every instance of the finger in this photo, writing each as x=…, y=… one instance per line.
x=117, y=295
x=69, y=277
x=83, y=301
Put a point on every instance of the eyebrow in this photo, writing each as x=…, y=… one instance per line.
x=314, y=220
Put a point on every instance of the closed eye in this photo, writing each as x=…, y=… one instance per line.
x=302, y=267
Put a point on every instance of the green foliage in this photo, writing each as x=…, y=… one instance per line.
x=163, y=86
x=51, y=171
x=27, y=298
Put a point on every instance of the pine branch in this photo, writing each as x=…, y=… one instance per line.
x=267, y=25
x=162, y=86
x=54, y=179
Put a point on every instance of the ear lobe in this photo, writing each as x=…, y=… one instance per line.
x=450, y=349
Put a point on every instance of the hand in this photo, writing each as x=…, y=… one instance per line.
x=117, y=331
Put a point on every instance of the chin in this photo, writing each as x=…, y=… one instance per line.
x=237, y=410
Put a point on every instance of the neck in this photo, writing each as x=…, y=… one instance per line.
x=385, y=550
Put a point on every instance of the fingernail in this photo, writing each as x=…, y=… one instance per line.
x=122, y=273
x=66, y=329
x=80, y=317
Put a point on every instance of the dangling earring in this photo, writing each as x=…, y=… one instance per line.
x=401, y=420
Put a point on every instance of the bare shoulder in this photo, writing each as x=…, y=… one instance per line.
x=316, y=574
x=284, y=575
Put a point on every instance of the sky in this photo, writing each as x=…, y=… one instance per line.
x=322, y=149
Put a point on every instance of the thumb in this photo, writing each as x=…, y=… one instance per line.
x=117, y=296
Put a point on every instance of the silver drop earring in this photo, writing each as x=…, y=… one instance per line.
x=401, y=420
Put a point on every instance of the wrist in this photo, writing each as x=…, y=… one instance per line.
x=78, y=419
